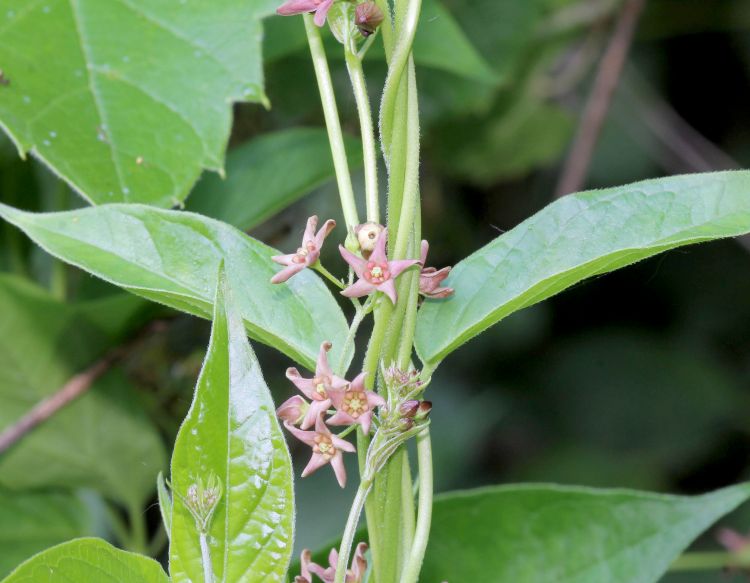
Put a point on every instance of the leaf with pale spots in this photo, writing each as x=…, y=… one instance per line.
x=128, y=100
x=231, y=432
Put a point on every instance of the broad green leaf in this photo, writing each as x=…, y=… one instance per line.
x=172, y=257
x=33, y=521
x=128, y=100
x=231, y=432
x=100, y=441
x=267, y=174
x=88, y=560
x=577, y=237
x=551, y=534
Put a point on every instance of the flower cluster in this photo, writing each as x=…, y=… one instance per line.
x=327, y=574
x=353, y=404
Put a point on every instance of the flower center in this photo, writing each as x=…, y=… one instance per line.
x=302, y=253
x=355, y=403
x=324, y=446
x=321, y=384
x=377, y=272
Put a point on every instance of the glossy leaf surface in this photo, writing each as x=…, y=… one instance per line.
x=101, y=440
x=550, y=534
x=577, y=237
x=31, y=522
x=89, y=560
x=172, y=257
x=231, y=432
x=128, y=100
x=267, y=174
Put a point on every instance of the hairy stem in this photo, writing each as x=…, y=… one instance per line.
x=710, y=561
x=369, y=150
x=328, y=275
x=333, y=124
x=208, y=570
x=350, y=530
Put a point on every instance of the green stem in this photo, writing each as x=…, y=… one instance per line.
x=137, y=529
x=386, y=28
x=407, y=508
x=333, y=124
x=208, y=570
x=350, y=530
x=413, y=565
x=710, y=561
x=369, y=150
x=318, y=266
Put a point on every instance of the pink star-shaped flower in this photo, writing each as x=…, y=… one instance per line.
x=430, y=278
x=307, y=254
x=319, y=7
x=328, y=574
x=354, y=404
x=376, y=272
x=326, y=448
x=318, y=389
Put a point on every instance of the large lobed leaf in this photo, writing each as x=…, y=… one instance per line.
x=128, y=100
x=577, y=237
x=231, y=432
x=101, y=440
x=173, y=257
x=554, y=534
x=88, y=560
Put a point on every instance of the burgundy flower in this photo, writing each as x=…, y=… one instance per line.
x=376, y=272
x=354, y=404
x=326, y=448
x=293, y=410
x=307, y=254
x=319, y=7
x=328, y=574
x=317, y=389
x=368, y=17
x=431, y=278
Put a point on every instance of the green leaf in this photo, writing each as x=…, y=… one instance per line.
x=31, y=522
x=165, y=504
x=88, y=559
x=267, y=174
x=127, y=100
x=551, y=534
x=577, y=237
x=231, y=432
x=101, y=440
x=172, y=257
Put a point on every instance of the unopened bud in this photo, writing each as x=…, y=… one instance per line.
x=368, y=17
x=293, y=410
x=424, y=410
x=202, y=498
x=367, y=233
x=409, y=409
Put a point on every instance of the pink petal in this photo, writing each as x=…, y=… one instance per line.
x=322, y=367
x=316, y=462
x=291, y=7
x=283, y=259
x=358, y=264
x=378, y=254
x=317, y=409
x=341, y=418
x=359, y=563
x=322, y=12
x=398, y=266
x=312, y=224
x=374, y=400
x=337, y=462
x=365, y=420
x=360, y=288
x=307, y=437
x=291, y=409
x=333, y=558
x=389, y=289
x=325, y=230
x=342, y=444
x=304, y=560
x=425, y=249
x=304, y=385
x=287, y=272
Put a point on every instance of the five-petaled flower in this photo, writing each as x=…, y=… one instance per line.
x=354, y=404
x=430, y=278
x=319, y=388
x=319, y=7
x=328, y=574
x=307, y=254
x=326, y=449
x=375, y=273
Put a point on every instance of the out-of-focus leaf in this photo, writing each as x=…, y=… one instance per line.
x=231, y=432
x=101, y=440
x=546, y=534
x=268, y=174
x=172, y=257
x=33, y=521
x=128, y=100
x=576, y=237
x=91, y=560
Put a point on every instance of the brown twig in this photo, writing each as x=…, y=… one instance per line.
x=70, y=391
x=607, y=77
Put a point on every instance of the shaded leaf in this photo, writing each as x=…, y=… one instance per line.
x=231, y=432
x=88, y=559
x=128, y=100
x=551, y=534
x=574, y=238
x=172, y=257
x=267, y=174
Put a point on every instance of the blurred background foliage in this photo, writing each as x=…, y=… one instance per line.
x=638, y=379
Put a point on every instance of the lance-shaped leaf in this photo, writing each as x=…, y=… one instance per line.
x=88, y=559
x=172, y=257
x=128, y=100
x=231, y=433
x=33, y=521
x=577, y=237
x=551, y=534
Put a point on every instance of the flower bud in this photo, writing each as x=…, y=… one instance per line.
x=368, y=17
x=293, y=410
x=202, y=498
x=423, y=411
x=409, y=409
x=367, y=233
